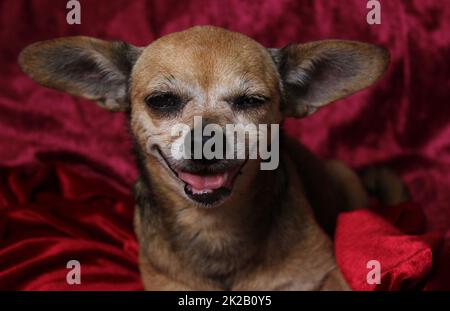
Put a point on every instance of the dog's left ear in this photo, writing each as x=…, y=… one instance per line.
x=91, y=68
x=317, y=73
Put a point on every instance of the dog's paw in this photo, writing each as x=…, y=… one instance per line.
x=384, y=184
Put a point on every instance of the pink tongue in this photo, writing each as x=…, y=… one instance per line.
x=202, y=183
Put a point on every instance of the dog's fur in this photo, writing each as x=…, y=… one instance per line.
x=264, y=236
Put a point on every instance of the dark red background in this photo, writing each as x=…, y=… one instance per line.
x=66, y=165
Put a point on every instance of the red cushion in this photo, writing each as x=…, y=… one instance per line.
x=405, y=260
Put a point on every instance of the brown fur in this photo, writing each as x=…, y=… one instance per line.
x=265, y=235
x=266, y=239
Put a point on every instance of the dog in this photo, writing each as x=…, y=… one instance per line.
x=225, y=224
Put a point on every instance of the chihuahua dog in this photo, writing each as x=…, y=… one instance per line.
x=215, y=223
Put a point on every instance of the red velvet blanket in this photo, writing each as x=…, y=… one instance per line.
x=66, y=167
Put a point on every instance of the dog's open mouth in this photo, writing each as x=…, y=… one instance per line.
x=208, y=189
x=206, y=185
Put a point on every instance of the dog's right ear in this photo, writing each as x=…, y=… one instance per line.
x=91, y=68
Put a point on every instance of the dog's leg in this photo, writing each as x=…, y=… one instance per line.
x=154, y=280
x=348, y=182
x=380, y=182
x=333, y=281
x=384, y=184
x=151, y=278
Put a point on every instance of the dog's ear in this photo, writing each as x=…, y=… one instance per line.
x=317, y=73
x=91, y=68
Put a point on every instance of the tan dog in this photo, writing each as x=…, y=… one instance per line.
x=214, y=224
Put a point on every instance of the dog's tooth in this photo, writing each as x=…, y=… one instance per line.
x=201, y=191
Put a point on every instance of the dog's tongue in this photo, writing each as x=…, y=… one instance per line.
x=204, y=183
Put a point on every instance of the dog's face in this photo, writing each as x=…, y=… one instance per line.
x=218, y=76
x=223, y=77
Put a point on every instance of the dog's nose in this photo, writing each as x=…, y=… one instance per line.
x=214, y=152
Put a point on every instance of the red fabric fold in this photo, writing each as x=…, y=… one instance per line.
x=53, y=214
x=405, y=260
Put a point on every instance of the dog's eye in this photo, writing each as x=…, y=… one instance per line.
x=164, y=102
x=248, y=102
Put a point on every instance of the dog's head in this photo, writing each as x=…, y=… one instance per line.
x=209, y=75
